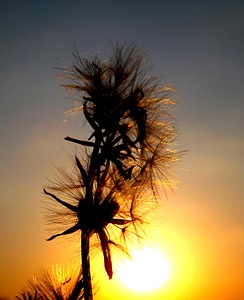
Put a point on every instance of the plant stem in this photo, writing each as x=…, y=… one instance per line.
x=85, y=258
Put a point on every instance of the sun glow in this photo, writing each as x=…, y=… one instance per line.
x=147, y=270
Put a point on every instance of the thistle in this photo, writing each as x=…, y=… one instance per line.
x=128, y=153
x=54, y=283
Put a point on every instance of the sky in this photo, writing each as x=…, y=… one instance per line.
x=198, y=47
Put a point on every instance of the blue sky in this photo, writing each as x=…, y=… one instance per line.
x=197, y=46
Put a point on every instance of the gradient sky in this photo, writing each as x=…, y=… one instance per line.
x=199, y=47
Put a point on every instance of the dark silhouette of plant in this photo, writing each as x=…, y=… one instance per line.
x=53, y=284
x=29, y=296
x=126, y=158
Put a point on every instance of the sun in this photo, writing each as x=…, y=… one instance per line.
x=147, y=270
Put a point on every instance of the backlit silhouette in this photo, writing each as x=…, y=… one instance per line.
x=124, y=160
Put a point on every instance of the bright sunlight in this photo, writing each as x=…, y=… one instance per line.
x=147, y=270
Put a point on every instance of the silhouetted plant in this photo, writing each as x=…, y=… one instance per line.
x=127, y=157
x=54, y=284
x=29, y=296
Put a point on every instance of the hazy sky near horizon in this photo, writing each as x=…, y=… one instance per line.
x=198, y=47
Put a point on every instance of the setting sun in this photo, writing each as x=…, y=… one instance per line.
x=147, y=270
